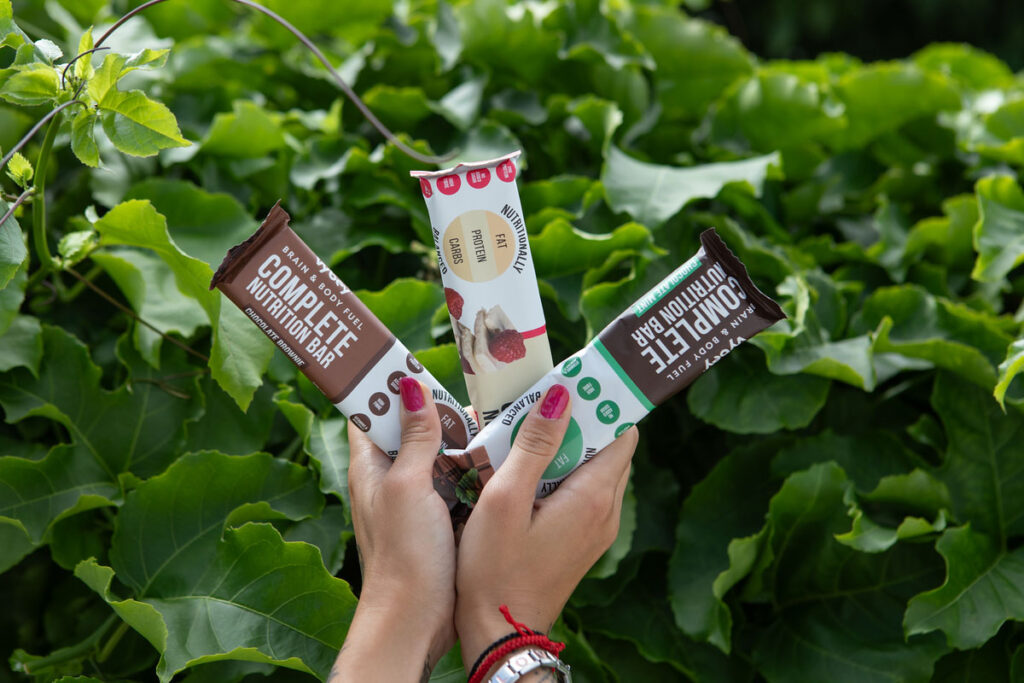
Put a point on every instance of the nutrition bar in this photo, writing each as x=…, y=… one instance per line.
x=489, y=281
x=315, y=320
x=660, y=345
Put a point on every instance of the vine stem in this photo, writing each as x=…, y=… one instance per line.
x=35, y=129
x=76, y=651
x=124, y=309
x=115, y=638
x=17, y=202
x=345, y=88
x=46, y=261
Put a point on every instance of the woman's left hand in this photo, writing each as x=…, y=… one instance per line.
x=404, y=621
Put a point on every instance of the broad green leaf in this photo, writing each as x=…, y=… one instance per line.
x=83, y=67
x=506, y=41
x=777, y=110
x=594, y=121
x=249, y=131
x=652, y=193
x=592, y=35
x=915, y=324
x=224, y=427
x=14, y=544
x=1008, y=369
x=913, y=499
x=19, y=170
x=399, y=108
x=406, y=307
x=999, y=233
x=138, y=125
x=13, y=253
x=21, y=345
x=608, y=564
x=151, y=289
x=882, y=97
x=739, y=395
x=461, y=105
x=239, y=353
x=970, y=66
x=173, y=519
x=990, y=662
x=561, y=249
x=728, y=504
x=30, y=85
x=837, y=610
x=696, y=60
x=104, y=80
x=137, y=428
x=330, y=533
x=947, y=239
x=258, y=599
x=83, y=136
x=641, y=615
x=203, y=224
x=981, y=590
x=1002, y=137
x=867, y=458
x=49, y=49
x=78, y=538
x=442, y=361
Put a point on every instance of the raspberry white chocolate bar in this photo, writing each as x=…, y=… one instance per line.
x=302, y=306
x=660, y=345
x=490, y=284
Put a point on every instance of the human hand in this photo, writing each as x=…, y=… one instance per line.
x=407, y=551
x=530, y=554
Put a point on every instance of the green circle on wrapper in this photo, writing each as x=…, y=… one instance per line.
x=608, y=412
x=621, y=428
x=569, y=453
x=572, y=366
x=588, y=388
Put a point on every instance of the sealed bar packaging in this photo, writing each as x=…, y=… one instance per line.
x=315, y=320
x=489, y=280
x=688, y=322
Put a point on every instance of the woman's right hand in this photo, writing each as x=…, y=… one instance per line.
x=530, y=554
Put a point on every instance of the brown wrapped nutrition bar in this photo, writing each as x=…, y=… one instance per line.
x=309, y=313
x=660, y=345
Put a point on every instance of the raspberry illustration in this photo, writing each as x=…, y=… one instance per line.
x=507, y=346
x=455, y=302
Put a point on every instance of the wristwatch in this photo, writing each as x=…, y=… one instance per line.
x=530, y=660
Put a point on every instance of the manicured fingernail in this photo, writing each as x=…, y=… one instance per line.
x=412, y=395
x=555, y=402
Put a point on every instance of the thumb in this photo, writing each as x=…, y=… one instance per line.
x=535, y=445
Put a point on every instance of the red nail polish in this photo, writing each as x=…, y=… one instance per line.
x=412, y=395
x=555, y=402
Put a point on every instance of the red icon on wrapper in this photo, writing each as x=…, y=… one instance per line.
x=425, y=188
x=448, y=184
x=478, y=178
x=506, y=171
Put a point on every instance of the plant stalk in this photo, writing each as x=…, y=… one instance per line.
x=70, y=654
x=46, y=260
x=17, y=202
x=115, y=638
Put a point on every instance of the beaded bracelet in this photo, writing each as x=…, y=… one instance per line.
x=523, y=637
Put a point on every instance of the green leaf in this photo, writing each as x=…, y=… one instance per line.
x=226, y=428
x=20, y=170
x=83, y=135
x=104, y=80
x=1002, y=137
x=1008, y=369
x=30, y=85
x=652, y=193
x=137, y=428
x=999, y=233
x=970, y=66
x=777, y=110
x=442, y=361
x=13, y=253
x=399, y=108
x=203, y=224
x=837, y=610
x=248, y=132
x=406, y=307
x=915, y=324
x=330, y=533
x=22, y=344
x=696, y=60
x=14, y=544
x=911, y=498
x=882, y=97
x=728, y=504
x=138, y=125
x=867, y=457
x=150, y=286
x=83, y=67
x=76, y=246
x=240, y=353
x=739, y=395
x=508, y=42
x=945, y=240
x=561, y=249
x=981, y=591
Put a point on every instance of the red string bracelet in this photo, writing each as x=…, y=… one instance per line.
x=525, y=638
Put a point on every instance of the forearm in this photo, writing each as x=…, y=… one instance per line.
x=383, y=646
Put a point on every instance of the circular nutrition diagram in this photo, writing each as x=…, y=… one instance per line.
x=569, y=453
x=479, y=245
x=456, y=435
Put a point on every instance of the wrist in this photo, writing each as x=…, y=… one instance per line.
x=384, y=644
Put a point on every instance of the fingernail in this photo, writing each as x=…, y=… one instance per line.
x=412, y=395
x=555, y=402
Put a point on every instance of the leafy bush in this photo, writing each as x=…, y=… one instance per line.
x=842, y=499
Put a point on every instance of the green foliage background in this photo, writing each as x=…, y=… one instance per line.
x=842, y=499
